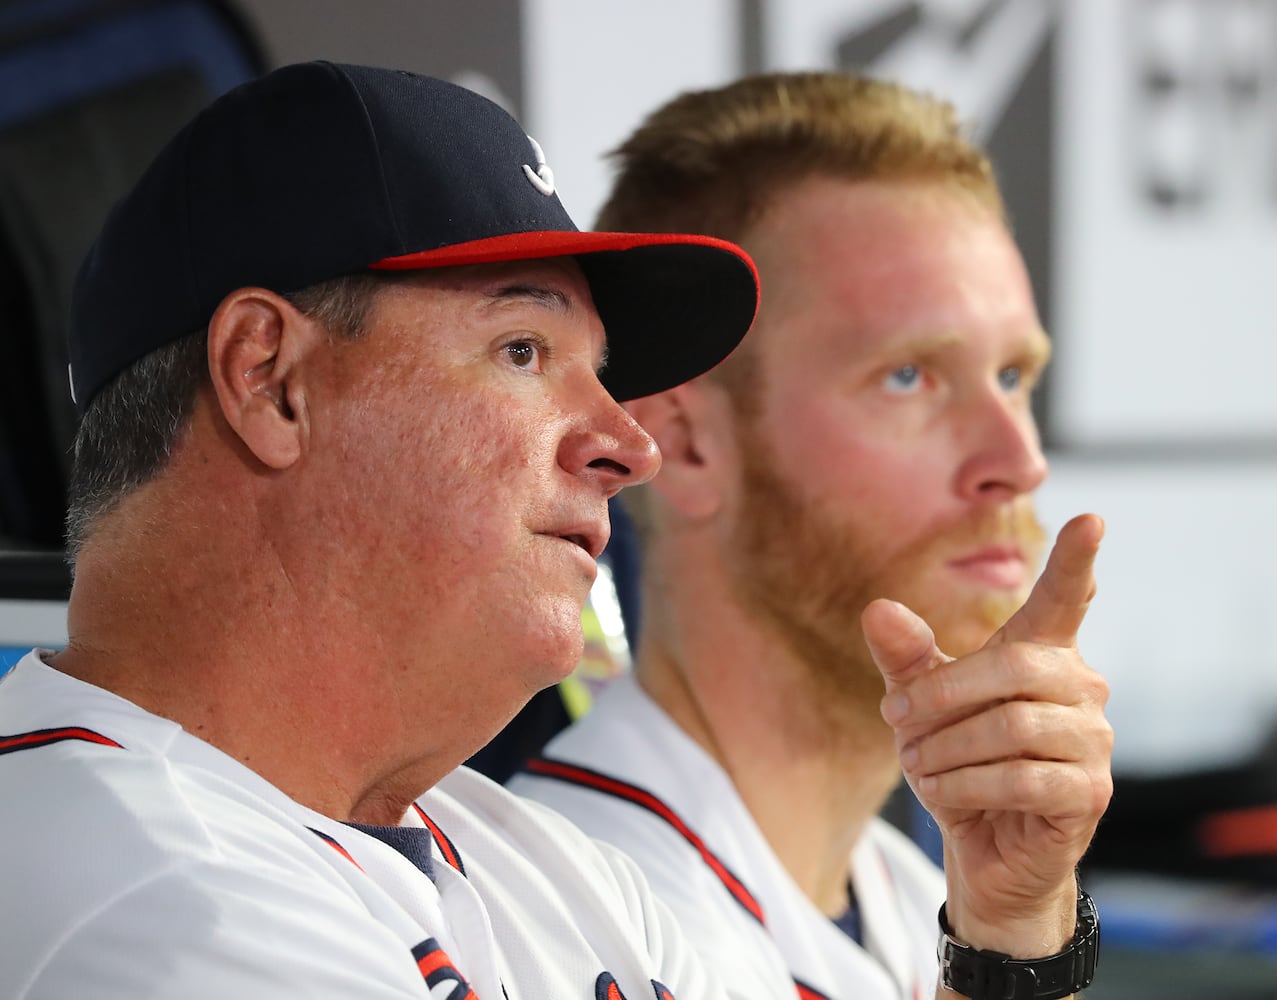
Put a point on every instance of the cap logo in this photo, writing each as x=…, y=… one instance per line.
x=543, y=177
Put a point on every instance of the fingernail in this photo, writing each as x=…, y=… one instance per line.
x=909, y=756
x=895, y=707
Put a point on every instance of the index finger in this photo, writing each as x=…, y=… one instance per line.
x=1060, y=598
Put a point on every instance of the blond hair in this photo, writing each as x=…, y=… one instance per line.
x=711, y=161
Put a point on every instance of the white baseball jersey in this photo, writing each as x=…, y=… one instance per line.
x=139, y=861
x=627, y=774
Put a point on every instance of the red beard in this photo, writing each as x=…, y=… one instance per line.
x=810, y=573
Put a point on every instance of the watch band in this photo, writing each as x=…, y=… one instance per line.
x=991, y=975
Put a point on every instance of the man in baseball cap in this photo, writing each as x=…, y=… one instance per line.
x=349, y=381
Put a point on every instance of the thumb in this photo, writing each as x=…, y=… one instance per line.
x=1058, y=603
x=901, y=643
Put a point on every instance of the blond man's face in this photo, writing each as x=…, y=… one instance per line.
x=889, y=449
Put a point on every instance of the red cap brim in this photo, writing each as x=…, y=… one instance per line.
x=673, y=305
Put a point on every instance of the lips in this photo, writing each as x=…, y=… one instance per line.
x=999, y=566
x=592, y=537
x=580, y=540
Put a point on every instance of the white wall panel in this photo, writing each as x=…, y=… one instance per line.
x=1167, y=316
x=595, y=70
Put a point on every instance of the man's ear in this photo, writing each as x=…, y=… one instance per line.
x=256, y=340
x=692, y=425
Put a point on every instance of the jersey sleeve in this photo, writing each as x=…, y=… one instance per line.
x=205, y=934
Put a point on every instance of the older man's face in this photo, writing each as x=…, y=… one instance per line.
x=470, y=451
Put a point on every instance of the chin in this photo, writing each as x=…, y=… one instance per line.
x=554, y=657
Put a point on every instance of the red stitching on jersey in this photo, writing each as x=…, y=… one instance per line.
x=43, y=737
x=574, y=775
x=331, y=842
x=446, y=847
x=806, y=992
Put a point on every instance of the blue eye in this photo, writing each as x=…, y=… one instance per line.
x=906, y=378
x=1010, y=378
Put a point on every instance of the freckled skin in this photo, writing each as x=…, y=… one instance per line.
x=884, y=440
x=443, y=461
x=366, y=553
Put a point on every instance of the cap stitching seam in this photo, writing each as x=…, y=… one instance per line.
x=376, y=145
x=187, y=234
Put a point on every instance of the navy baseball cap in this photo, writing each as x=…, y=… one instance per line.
x=318, y=170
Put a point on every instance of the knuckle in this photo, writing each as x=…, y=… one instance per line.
x=1025, y=781
x=1091, y=731
x=946, y=690
x=1098, y=792
x=1022, y=663
x=1019, y=722
x=1101, y=792
x=1106, y=737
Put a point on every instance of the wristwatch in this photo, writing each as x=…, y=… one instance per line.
x=991, y=975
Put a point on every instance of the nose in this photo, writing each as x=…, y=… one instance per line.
x=1003, y=450
x=609, y=447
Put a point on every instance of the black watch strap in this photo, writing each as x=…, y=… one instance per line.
x=990, y=975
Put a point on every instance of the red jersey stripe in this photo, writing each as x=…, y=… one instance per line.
x=335, y=846
x=574, y=775
x=437, y=970
x=433, y=961
x=446, y=847
x=43, y=737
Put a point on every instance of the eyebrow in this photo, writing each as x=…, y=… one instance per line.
x=548, y=298
x=1035, y=346
x=924, y=344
